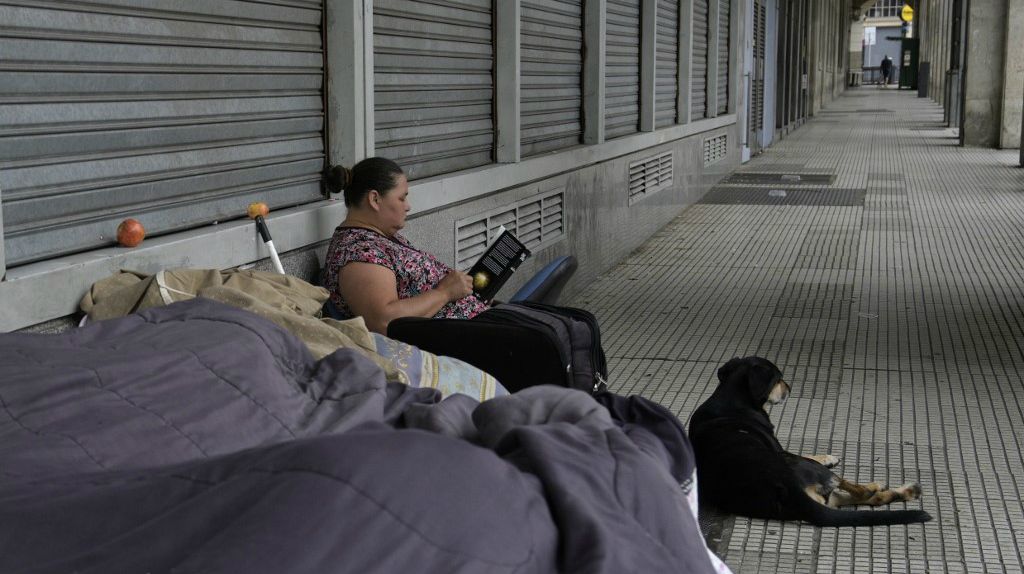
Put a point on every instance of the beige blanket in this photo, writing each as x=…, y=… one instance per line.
x=294, y=305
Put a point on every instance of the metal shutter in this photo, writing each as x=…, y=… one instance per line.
x=723, y=55
x=699, y=73
x=756, y=113
x=433, y=84
x=174, y=113
x=668, y=63
x=551, y=64
x=622, y=76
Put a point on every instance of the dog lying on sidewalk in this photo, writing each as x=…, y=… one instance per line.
x=742, y=469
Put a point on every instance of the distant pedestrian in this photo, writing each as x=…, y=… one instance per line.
x=886, y=70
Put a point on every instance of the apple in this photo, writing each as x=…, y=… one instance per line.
x=130, y=232
x=480, y=280
x=257, y=208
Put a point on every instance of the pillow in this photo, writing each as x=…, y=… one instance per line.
x=446, y=374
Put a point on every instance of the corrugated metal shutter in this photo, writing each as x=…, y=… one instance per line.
x=433, y=84
x=177, y=114
x=757, y=81
x=622, y=75
x=551, y=68
x=668, y=63
x=724, y=26
x=699, y=68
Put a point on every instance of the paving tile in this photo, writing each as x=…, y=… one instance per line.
x=899, y=321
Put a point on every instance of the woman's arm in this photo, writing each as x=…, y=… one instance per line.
x=371, y=291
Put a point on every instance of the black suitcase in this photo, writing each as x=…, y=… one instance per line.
x=521, y=344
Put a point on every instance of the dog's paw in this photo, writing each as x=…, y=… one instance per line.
x=909, y=491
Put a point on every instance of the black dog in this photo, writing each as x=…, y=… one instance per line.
x=742, y=468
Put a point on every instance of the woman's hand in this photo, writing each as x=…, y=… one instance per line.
x=456, y=285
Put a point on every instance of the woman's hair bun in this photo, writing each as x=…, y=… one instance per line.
x=337, y=178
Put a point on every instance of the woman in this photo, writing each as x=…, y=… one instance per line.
x=374, y=272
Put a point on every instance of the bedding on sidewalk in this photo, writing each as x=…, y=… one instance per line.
x=198, y=437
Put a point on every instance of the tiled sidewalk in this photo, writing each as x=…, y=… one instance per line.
x=891, y=293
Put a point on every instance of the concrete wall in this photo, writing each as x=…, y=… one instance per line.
x=1013, y=77
x=941, y=36
x=857, y=46
x=985, y=66
x=601, y=228
x=829, y=58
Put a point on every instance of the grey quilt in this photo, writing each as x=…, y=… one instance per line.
x=201, y=438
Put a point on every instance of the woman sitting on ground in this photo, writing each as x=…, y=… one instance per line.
x=374, y=272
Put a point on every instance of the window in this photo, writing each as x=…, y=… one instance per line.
x=886, y=9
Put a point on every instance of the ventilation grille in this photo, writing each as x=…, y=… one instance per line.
x=715, y=149
x=647, y=176
x=538, y=222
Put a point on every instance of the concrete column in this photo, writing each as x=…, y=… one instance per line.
x=1013, y=77
x=349, y=81
x=685, y=60
x=507, y=80
x=594, y=29
x=737, y=57
x=714, y=16
x=985, y=65
x=648, y=63
x=3, y=263
x=813, y=63
x=856, y=45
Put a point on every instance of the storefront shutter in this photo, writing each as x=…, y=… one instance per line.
x=667, y=63
x=699, y=73
x=622, y=75
x=433, y=84
x=757, y=81
x=723, y=56
x=177, y=114
x=551, y=64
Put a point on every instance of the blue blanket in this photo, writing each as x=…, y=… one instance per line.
x=201, y=438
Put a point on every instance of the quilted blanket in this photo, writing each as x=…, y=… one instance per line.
x=198, y=437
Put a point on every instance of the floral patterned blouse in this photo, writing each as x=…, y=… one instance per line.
x=415, y=271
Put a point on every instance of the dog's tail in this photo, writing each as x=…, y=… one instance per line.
x=821, y=515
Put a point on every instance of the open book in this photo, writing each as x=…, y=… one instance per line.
x=498, y=262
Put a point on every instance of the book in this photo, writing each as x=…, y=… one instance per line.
x=497, y=263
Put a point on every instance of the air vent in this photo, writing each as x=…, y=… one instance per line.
x=647, y=176
x=715, y=149
x=537, y=221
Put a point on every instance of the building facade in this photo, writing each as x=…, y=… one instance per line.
x=583, y=125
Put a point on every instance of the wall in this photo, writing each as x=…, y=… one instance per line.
x=942, y=43
x=601, y=228
x=829, y=58
x=1013, y=77
x=44, y=295
x=857, y=46
x=985, y=66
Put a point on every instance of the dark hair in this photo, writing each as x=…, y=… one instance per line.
x=376, y=173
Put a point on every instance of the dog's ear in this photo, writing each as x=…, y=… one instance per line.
x=726, y=371
x=761, y=377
